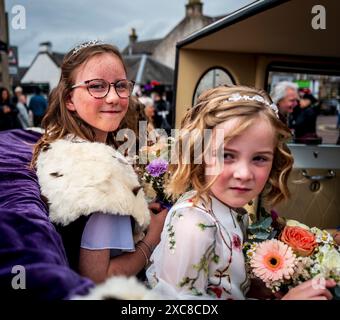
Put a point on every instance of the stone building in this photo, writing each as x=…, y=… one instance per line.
x=4, y=76
x=164, y=50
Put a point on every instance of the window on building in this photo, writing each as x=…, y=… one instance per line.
x=212, y=78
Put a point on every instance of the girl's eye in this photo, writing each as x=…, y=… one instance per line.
x=96, y=86
x=228, y=156
x=260, y=159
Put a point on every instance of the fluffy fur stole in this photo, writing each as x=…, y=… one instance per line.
x=120, y=288
x=80, y=177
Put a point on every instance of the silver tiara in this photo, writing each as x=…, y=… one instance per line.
x=85, y=45
x=238, y=97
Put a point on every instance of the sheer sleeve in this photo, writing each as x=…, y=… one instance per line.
x=180, y=263
x=108, y=231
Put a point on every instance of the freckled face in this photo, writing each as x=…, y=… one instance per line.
x=104, y=114
x=247, y=162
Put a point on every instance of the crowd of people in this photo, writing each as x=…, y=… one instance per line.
x=96, y=202
x=17, y=113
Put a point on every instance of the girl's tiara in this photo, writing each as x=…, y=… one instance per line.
x=85, y=45
x=238, y=97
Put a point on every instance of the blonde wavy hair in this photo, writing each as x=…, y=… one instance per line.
x=58, y=120
x=212, y=109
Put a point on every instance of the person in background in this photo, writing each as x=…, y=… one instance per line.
x=149, y=111
x=303, y=121
x=285, y=96
x=338, y=113
x=38, y=105
x=17, y=92
x=8, y=112
x=163, y=116
x=23, y=115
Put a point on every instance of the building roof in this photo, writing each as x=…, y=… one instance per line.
x=17, y=77
x=148, y=46
x=142, y=47
x=143, y=69
x=146, y=71
x=57, y=57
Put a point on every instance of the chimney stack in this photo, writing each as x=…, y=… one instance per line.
x=45, y=47
x=194, y=8
x=132, y=40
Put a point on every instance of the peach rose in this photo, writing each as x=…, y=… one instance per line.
x=299, y=239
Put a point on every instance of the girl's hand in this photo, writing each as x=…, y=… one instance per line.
x=336, y=237
x=158, y=215
x=314, y=289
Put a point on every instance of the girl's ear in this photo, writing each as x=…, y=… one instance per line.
x=69, y=104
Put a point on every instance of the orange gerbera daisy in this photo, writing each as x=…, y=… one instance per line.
x=273, y=261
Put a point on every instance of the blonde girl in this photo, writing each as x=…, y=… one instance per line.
x=200, y=253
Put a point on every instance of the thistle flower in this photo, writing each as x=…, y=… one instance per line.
x=157, y=167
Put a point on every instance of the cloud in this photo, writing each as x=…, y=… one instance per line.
x=67, y=23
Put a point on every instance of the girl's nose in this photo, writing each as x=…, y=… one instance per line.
x=242, y=171
x=112, y=96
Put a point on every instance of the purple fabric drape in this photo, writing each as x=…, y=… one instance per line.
x=27, y=237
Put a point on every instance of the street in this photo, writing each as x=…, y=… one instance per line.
x=326, y=128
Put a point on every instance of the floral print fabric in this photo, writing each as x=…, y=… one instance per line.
x=200, y=253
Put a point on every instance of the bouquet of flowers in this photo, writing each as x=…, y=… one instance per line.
x=152, y=169
x=284, y=253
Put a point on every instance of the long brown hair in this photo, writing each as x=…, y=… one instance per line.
x=58, y=120
x=213, y=108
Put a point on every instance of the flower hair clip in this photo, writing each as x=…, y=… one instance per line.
x=85, y=45
x=237, y=97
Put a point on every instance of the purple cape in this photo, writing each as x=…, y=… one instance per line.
x=28, y=240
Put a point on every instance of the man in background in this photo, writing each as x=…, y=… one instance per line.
x=38, y=105
x=285, y=96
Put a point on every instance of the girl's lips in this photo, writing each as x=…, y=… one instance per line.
x=240, y=189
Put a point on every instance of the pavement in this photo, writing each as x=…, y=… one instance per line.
x=326, y=128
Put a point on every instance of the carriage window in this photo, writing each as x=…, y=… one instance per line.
x=319, y=94
x=212, y=78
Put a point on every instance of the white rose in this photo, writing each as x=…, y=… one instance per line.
x=294, y=223
x=331, y=260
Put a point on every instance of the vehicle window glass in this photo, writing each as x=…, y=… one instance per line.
x=326, y=106
x=212, y=78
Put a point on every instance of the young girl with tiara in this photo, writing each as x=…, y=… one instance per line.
x=93, y=194
x=200, y=253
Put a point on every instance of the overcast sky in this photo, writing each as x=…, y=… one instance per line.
x=66, y=23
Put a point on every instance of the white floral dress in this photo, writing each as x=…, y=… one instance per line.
x=200, y=253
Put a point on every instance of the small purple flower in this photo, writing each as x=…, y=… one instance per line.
x=157, y=167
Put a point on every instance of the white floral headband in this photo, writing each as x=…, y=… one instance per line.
x=85, y=45
x=238, y=97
